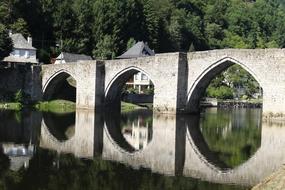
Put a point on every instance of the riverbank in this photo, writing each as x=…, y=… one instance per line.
x=11, y=106
x=278, y=117
x=212, y=102
x=276, y=181
x=127, y=107
x=64, y=106
x=56, y=106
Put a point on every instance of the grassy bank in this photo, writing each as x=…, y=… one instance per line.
x=127, y=107
x=11, y=106
x=56, y=106
x=64, y=106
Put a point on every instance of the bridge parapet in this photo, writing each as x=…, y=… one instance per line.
x=241, y=53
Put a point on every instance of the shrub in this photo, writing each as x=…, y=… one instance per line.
x=19, y=96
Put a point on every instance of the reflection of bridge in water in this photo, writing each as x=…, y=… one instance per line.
x=176, y=148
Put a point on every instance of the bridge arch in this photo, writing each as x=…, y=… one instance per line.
x=200, y=84
x=113, y=89
x=55, y=82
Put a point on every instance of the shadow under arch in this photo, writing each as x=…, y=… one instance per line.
x=204, y=79
x=113, y=126
x=114, y=88
x=59, y=87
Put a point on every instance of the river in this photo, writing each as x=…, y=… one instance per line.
x=218, y=149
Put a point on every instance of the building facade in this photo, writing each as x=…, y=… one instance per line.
x=23, y=51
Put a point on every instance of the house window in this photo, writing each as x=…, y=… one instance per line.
x=144, y=77
x=17, y=53
x=27, y=54
x=136, y=76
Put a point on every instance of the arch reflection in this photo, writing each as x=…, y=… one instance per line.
x=131, y=131
x=227, y=137
x=233, y=135
x=176, y=150
x=61, y=126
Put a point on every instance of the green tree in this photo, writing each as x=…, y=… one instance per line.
x=105, y=49
x=20, y=26
x=82, y=30
x=6, y=44
x=131, y=43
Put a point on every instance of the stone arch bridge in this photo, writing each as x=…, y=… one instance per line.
x=179, y=78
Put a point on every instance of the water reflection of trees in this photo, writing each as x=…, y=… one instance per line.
x=233, y=135
x=48, y=170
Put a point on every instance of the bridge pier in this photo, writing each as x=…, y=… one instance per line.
x=273, y=100
x=90, y=86
x=170, y=92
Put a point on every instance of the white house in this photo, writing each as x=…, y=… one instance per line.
x=140, y=81
x=23, y=51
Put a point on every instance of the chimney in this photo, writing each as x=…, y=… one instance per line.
x=30, y=40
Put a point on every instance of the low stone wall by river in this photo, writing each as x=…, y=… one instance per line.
x=211, y=102
x=239, y=104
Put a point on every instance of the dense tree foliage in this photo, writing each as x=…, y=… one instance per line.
x=234, y=82
x=5, y=42
x=103, y=28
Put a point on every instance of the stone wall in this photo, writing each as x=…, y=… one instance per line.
x=20, y=78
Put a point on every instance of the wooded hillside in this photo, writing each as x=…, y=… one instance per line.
x=102, y=28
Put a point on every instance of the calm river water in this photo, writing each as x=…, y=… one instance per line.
x=219, y=149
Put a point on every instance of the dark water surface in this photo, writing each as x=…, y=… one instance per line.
x=219, y=149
